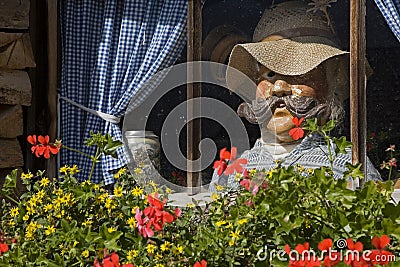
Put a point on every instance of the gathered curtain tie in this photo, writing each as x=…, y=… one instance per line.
x=107, y=117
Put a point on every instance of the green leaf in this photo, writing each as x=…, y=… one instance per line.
x=10, y=183
x=329, y=126
x=353, y=171
x=311, y=125
x=341, y=145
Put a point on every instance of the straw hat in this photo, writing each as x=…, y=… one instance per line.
x=306, y=41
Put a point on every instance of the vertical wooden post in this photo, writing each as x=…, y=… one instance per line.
x=52, y=44
x=358, y=118
x=193, y=90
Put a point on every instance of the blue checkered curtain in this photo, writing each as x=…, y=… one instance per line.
x=110, y=49
x=390, y=10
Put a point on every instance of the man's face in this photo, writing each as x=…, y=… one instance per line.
x=288, y=96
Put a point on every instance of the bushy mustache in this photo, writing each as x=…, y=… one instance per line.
x=262, y=109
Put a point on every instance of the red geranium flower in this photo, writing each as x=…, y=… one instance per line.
x=380, y=242
x=236, y=165
x=44, y=147
x=3, y=248
x=354, y=258
x=331, y=258
x=203, y=263
x=111, y=260
x=297, y=132
x=306, y=258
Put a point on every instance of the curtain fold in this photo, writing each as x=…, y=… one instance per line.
x=390, y=10
x=111, y=48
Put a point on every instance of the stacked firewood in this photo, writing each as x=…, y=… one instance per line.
x=15, y=86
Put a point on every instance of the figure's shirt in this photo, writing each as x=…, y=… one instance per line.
x=312, y=152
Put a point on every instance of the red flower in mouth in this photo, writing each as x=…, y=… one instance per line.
x=297, y=132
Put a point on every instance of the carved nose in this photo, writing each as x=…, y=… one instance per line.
x=281, y=88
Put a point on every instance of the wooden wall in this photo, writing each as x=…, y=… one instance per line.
x=16, y=57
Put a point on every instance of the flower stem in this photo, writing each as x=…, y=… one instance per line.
x=94, y=161
x=11, y=199
x=76, y=150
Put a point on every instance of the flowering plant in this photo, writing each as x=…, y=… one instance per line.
x=66, y=223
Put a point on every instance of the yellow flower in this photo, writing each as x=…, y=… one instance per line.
x=50, y=229
x=44, y=182
x=165, y=246
x=190, y=205
x=118, y=191
x=214, y=196
x=157, y=257
x=132, y=222
x=231, y=242
x=30, y=210
x=87, y=182
x=40, y=195
x=28, y=175
x=151, y=183
x=85, y=253
x=138, y=171
x=238, y=176
x=74, y=169
x=132, y=254
x=96, y=187
x=219, y=187
x=220, y=223
x=159, y=265
x=87, y=222
x=235, y=235
x=120, y=173
x=75, y=243
x=230, y=225
x=64, y=169
x=26, y=217
x=252, y=171
x=111, y=229
x=168, y=190
x=11, y=223
x=14, y=212
x=137, y=191
x=242, y=221
x=179, y=248
x=150, y=248
x=133, y=211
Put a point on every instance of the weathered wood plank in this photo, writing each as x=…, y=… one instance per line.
x=15, y=88
x=11, y=154
x=16, y=51
x=11, y=121
x=193, y=91
x=358, y=118
x=14, y=14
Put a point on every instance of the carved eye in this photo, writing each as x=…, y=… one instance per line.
x=271, y=74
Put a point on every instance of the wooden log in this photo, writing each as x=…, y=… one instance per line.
x=11, y=154
x=15, y=88
x=16, y=51
x=14, y=14
x=11, y=121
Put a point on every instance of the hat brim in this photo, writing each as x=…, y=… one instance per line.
x=285, y=56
